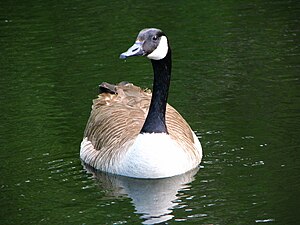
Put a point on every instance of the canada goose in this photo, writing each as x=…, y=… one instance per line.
x=134, y=133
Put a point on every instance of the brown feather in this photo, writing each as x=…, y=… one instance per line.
x=116, y=120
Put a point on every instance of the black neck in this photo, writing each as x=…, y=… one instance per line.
x=156, y=119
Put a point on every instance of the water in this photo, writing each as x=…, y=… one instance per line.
x=235, y=80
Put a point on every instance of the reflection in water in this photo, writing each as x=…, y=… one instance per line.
x=154, y=199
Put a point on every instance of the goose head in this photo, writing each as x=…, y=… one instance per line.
x=150, y=42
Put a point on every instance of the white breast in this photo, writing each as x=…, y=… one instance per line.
x=155, y=156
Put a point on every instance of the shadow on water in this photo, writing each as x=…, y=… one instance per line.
x=153, y=199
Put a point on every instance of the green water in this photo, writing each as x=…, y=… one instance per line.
x=235, y=80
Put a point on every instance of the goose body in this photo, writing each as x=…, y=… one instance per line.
x=135, y=133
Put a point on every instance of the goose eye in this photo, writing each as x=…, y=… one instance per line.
x=154, y=38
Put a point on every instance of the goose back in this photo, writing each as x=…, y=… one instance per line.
x=117, y=119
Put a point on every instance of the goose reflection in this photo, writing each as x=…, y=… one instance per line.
x=153, y=199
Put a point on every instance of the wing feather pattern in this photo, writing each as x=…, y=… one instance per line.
x=116, y=120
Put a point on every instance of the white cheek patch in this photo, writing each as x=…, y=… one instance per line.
x=161, y=51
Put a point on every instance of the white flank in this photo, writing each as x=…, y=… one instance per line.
x=154, y=155
x=197, y=144
x=161, y=51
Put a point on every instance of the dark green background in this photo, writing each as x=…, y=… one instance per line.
x=235, y=80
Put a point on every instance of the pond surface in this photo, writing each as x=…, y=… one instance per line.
x=235, y=80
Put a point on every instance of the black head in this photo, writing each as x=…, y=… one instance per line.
x=150, y=42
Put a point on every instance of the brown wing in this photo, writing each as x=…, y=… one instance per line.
x=116, y=119
x=180, y=131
